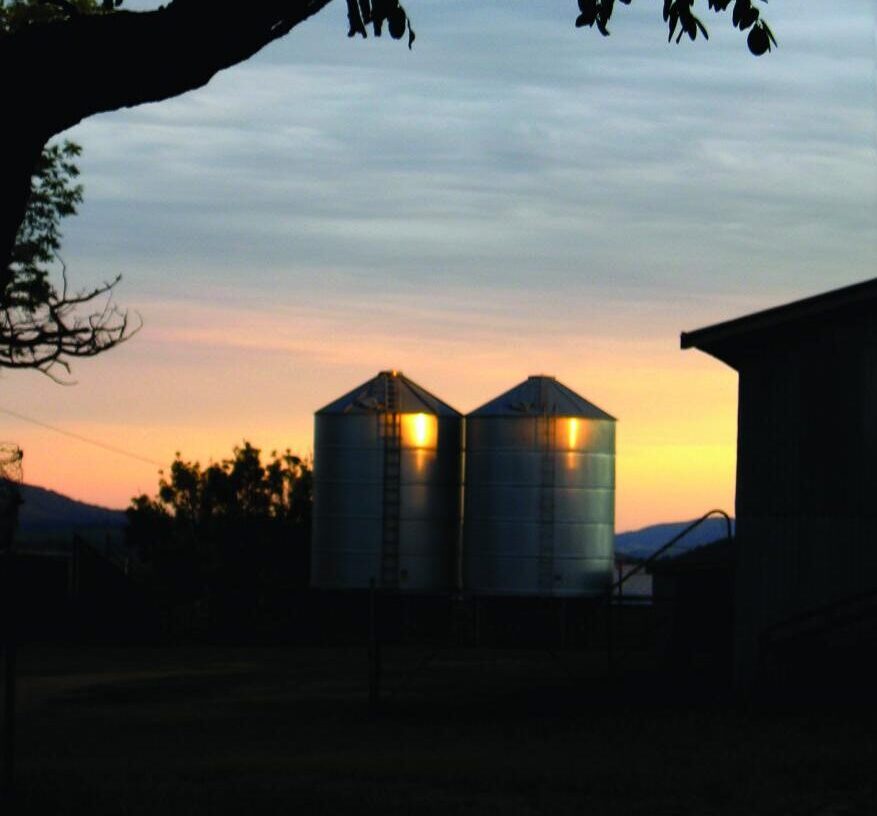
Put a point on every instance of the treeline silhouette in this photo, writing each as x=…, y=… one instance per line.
x=228, y=543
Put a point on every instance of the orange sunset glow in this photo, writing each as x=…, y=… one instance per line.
x=676, y=411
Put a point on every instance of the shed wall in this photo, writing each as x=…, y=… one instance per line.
x=806, y=477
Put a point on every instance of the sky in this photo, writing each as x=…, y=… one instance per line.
x=514, y=196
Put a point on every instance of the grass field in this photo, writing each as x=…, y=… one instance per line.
x=198, y=730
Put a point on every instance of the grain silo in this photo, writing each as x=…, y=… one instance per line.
x=540, y=494
x=387, y=469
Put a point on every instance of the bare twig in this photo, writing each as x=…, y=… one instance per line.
x=46, y=336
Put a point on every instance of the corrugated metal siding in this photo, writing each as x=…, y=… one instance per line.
x=540, y=505
x=807, y=477
x=351, y=484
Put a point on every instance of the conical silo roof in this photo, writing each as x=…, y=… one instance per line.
x=389, y=391
x=540, y=395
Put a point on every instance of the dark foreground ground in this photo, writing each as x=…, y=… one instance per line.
x=198, y=730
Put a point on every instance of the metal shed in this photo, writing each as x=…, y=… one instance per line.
x=387, y=471
x=540, y=493
x=806, y=481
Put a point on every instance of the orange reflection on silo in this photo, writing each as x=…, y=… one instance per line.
x=575, y=432
x=423, y=459
x=419, y=430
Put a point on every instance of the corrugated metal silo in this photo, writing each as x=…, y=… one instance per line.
x=540, y=493
x=387, y=470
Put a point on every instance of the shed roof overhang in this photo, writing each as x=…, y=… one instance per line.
x=737, y=340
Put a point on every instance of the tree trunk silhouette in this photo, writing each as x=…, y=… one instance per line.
x=62, y=72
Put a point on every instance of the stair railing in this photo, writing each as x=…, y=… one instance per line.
x=672, y=542
x=612, y=657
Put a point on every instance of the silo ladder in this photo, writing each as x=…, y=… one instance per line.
x=546, y=505
x=392, y=432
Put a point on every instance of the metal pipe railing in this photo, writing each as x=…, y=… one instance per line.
x=678, y=537
x=611, y=657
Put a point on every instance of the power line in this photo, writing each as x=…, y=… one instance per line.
x=80, y=438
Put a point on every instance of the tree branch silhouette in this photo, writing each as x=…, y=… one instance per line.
x=50, y=334
x=44, y=326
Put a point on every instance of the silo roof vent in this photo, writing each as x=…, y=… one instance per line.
x=541, y=395
x=389, y=391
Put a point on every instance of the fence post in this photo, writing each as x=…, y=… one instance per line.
x=9, y=676
x=374, y=651
x=610, y=657
x=561, y=621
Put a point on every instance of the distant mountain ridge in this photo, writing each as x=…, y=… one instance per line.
x=44, y=511
x=642, y=543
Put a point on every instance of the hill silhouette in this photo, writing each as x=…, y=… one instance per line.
x=642, y=543
x=45, y=512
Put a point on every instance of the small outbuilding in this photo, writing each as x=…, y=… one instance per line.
x=806, y=507
x=693, y=608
